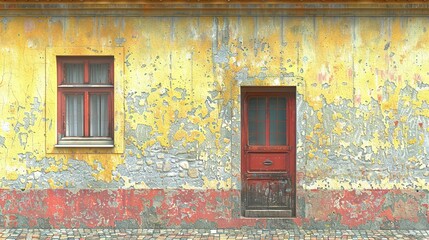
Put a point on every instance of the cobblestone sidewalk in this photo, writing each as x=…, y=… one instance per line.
x=182, y=234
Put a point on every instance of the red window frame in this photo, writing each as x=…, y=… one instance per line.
x=85, y=89
x=267, y=92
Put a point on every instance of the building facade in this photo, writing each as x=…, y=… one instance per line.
x=214, y=115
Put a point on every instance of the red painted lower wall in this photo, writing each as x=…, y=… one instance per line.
x=370, y=209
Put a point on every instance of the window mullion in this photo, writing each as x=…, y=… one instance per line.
x=267, y=122
x=110, y=115
x=86, y=72
x=86, y=99
x=86, y=114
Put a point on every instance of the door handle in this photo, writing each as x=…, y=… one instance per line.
x=268, y=162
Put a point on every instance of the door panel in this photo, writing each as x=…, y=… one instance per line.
x=268, y=151
x=267, y=162
x=271, y=193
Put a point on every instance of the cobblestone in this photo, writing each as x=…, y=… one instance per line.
x=185, y=234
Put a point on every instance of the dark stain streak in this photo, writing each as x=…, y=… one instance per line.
x=386, y=47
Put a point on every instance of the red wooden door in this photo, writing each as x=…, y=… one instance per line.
x=268, y=151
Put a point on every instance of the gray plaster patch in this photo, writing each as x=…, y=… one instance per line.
x=120, y=41
x=236, y=205
x=43, y=223
x=29, y=119
x=222, y=55
x=332, y=223
x=78, y=174
x=199, y=224
x=2, y=140
x=165, y=176
x=134, y=100
x=5, y=21
x=22, y=221
x=18, y=127
x=286, y=75
x=262, y=75
x=183, y=94
x=157, y=201
x=422, y=224
x=23, y=139
x=150, y=219
x=160, y=167
x=36, y=105
x=364, y=122
x=300, y=207
x=281, y=224
x=242, y=75
x=127, y=224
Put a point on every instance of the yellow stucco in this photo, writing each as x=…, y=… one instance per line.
x=177, y=80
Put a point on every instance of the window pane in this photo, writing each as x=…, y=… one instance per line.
x=257, y=120
x=99, y=73
x=74, y=115
x=99, y=117
x=277, y=121
x=253, y=103
x=74, y=73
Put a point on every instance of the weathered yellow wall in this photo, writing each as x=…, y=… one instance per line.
x=363, y=93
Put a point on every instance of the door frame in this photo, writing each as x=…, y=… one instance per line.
x=290, y=148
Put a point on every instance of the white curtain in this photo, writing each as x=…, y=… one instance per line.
x=98, y=103
x=74, y=73
x=99, y=120
x=99, y=73
x=74, y=115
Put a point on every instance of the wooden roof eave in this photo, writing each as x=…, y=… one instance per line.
x=290, y=8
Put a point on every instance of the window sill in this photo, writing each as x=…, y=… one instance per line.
x=85, y=143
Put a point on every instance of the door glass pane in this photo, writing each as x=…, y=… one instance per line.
x=74, y=73
x=99, y=73
x=277, y=107
x=99, y=117
x=257, y=120
x=74, y=115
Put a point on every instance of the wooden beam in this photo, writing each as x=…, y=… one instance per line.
x=290, y=8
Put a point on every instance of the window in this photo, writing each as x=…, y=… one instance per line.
x=267, y=120
x=85, y=101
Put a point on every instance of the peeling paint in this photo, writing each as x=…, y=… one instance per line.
x=362, y=116
x=373, y=209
